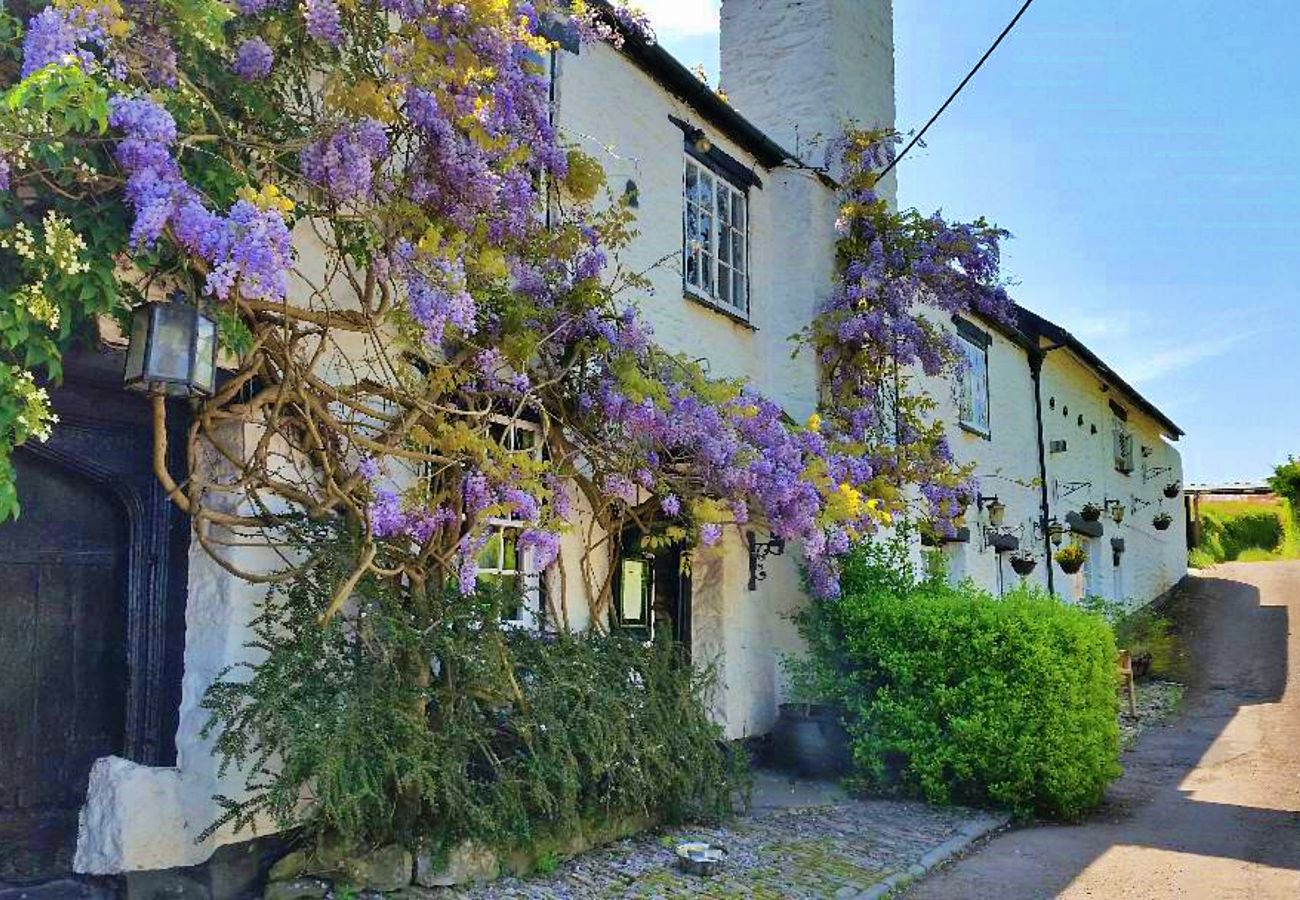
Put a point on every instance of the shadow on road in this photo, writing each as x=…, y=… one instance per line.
x=1213, y=795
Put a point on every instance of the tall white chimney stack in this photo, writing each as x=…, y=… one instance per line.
x=802, y=69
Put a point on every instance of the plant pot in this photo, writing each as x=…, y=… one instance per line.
x=1171, y=490
x=1162, y=524
x=1069, y=568
x=809, y=740
x=1090, y=513
x=1023, y=565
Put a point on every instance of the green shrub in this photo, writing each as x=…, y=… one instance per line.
x=1229, y=530
x=419, y=718
x=1199, y=558
x=1255, y=530
x=955, y=695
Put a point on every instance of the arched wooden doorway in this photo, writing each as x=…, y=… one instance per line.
x=92, y=592
x=63, y=660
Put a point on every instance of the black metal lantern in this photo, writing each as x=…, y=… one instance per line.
x=172, y=350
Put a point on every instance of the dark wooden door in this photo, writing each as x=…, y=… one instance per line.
x=63, y=660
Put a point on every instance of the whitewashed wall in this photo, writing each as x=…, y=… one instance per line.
x=804, y=70
x=1006, y=464
x=791, y=218
x=1153, y=561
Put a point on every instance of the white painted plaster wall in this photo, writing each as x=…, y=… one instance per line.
x=1153, y=561
x=1006, y=464
x=803, y=69
x=791, y=217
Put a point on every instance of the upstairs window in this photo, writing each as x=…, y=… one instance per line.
x=973, y=378
x=715, y=245
x=1123, y=439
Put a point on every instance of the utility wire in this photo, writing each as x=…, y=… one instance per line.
x=953, y=96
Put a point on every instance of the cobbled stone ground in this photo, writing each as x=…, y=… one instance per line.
x=832, y=852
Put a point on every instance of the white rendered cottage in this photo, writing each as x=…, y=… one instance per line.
x=706, y=174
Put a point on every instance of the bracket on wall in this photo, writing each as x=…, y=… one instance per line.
x=1063, y=489
x=758, y=552
x=1139, y=503
x=1149, y=472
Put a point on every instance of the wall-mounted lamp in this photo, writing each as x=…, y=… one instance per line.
x=758, y=552
x=1056, y=531
x=1116, y=508
x=172, y=350
x=996, y=509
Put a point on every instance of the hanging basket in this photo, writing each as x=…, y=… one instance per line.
x=1069, y=567
x=1172, y=489
x=1090, y=512
x=1023, y=565
x=1162, y=522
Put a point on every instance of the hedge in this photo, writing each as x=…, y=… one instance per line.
x=954, y=695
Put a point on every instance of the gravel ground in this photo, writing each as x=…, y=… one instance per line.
x=1157, y=702
x=834, y=851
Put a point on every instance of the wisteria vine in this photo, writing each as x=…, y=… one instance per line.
x=357, y=191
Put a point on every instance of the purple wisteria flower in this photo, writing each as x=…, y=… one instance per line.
x=545, y=546
x=710, y=533
x=671, y=505
x=344, y=163
x=524, y=504
x=4, y=174
x=368, y=469
x=249, y=246
x=324, y=22
x=253, y=59
x=254, y=7
x=53, y=36
x=437, y=295
x=622, y=487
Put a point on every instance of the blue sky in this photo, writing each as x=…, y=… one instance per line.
x=1146, y=157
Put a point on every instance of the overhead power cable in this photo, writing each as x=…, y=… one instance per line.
x=953, y=96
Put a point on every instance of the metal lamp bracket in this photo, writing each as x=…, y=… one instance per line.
x=758, y=553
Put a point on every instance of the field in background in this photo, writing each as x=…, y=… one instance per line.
x=1246, y=532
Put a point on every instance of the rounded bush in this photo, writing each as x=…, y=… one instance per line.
x=954, y=695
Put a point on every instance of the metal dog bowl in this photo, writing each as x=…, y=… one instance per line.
x=698, y=858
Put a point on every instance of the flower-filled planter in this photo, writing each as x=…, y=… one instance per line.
x=1091, y=512
x=1172, y=489
x=1070, y=558
x=1023, y=563
x=1162, y=521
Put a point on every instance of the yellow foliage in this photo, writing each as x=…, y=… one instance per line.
x=585, y=178
x=269, y=198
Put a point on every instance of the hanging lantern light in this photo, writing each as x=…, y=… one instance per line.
x=1055, y=531
x=1117, y=510
x=172, y=350
x=993, y=507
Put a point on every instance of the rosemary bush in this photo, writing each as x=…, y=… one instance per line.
x=417, y=717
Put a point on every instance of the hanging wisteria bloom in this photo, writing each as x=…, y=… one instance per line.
x=344, y=163
x=54, y=37
x=324, y=21
x=253, y=59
